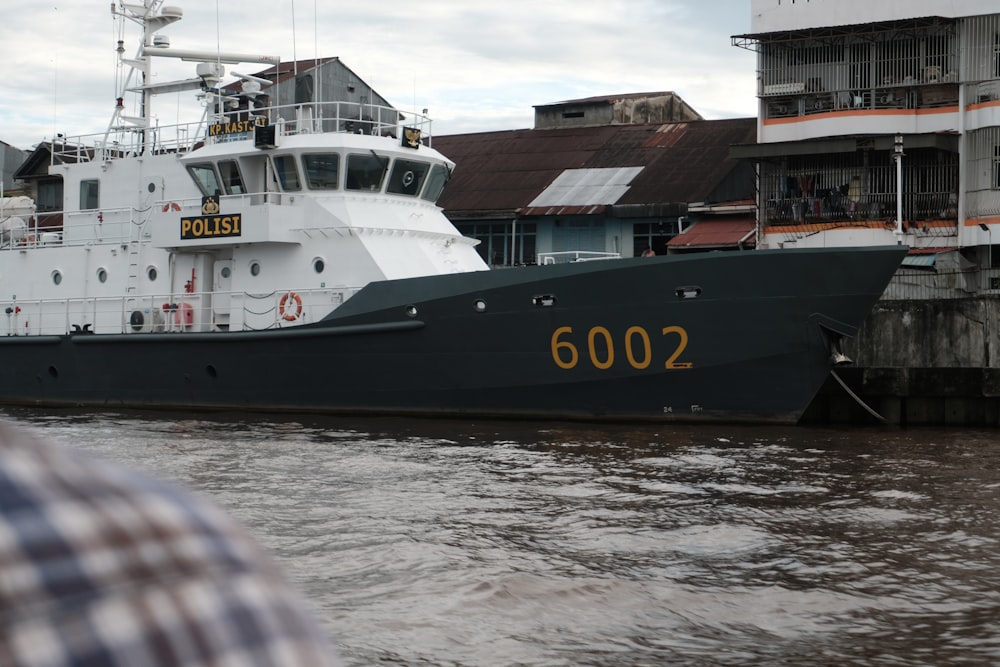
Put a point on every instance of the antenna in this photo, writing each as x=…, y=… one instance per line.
x=218, y=33
x=55, y=85
x=319, y=79
x=295, y=57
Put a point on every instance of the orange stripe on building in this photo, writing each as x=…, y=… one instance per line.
x=863, y=113
x=985, y=220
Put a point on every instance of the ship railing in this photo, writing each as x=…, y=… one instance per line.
x=216, y=311
x=568, y=256
x=111, y=225
x=126, y=141
x=319, y=117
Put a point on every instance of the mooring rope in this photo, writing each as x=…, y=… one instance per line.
x=858, y=398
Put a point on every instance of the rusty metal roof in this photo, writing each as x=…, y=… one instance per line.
x=727, y=232
x=501, y=173
x=609, y=99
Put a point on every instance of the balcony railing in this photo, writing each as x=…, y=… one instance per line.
x=883, y=97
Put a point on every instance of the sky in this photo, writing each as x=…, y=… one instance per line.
x=476, y=66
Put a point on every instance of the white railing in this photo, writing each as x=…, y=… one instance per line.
x=108, y=225
x=568, y=256
x=170, y=313
x=350, y=117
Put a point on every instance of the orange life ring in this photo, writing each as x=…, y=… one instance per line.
x=286, y=309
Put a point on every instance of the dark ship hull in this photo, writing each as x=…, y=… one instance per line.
x=743, y=337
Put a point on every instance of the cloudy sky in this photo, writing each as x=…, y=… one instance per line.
x=476, y=66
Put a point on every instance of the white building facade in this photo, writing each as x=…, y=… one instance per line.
x=853, y=95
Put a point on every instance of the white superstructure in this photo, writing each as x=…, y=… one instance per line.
x=254, y=217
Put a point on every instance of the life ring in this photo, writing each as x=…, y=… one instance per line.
x=287, y=310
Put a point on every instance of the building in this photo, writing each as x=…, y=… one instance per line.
x=603, y=176
x=854, y=93
x=879, y=122
x=342, y=99
x=11, y=158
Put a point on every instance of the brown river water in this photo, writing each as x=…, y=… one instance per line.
x=460, y=543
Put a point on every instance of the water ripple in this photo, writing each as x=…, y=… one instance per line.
x=422, y=542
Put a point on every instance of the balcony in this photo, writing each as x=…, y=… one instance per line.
x=813, y=99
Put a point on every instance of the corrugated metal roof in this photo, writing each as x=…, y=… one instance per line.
x=610, y=99
x=921, y=261
x=502, y=173
x=716, y=234
x=924, y=258
x=587, y=187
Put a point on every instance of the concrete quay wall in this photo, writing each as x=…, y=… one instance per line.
x=919, y=362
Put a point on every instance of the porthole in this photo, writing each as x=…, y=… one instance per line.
x=56, y=277
x=319, y=265
x=151, y=187
x=102, y=275
x=151, y=274
x=225, y=272
x=479, y=305
x=254, y=268
x=411, y=311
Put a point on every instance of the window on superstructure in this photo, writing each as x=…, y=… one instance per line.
x=205, y=178
x=435, y=182
x=232, y=181
x=286, y=172
x=89, y=194
x=322, y=170
x=50, y=195
x=407, y=177
x=365, y=171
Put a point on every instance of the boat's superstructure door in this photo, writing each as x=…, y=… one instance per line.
x=222, y=286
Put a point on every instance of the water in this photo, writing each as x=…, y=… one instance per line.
x=455, y=543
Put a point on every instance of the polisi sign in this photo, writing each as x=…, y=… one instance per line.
x=210, y=223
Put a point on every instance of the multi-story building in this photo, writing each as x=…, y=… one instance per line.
x=854, y=94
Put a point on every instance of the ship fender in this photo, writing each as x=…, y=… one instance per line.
x=290, y=306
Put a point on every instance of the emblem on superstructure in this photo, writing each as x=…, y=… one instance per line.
x=411, y=137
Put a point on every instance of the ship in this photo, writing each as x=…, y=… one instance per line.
x=294, y=259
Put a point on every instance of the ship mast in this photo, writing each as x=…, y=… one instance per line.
x=153, y=16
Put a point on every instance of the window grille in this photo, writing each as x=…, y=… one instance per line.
x=899, y=66
x=860, y=187
x=983, y=177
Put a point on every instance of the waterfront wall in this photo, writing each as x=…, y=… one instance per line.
x=920, y=362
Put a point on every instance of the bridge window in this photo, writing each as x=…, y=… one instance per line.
x=322, y=170
x=407, y=177
x=288, y=175
x=365, y=171
x=435, y=182
x=205, y=178
x=229, y=170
